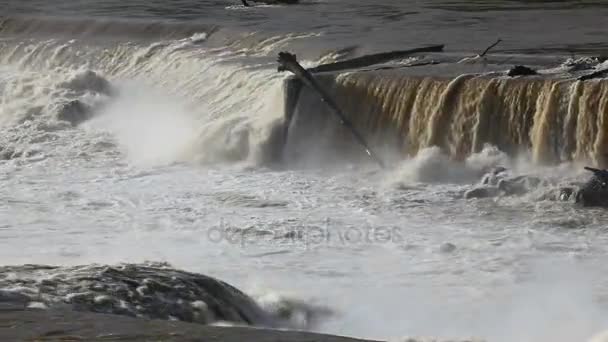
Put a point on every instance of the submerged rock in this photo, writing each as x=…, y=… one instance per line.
x=520, y=70
x=482, y=192
x=153, y=291
x=68, y=325
x=74, y=112
x=499, y=182
x=594, y=193
x=447, y=247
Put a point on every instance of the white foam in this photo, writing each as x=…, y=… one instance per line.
x=431, y=165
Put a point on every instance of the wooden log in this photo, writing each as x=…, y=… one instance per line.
x=288, y=61
x=272, y=2
x=596, y=74
x=367, y=60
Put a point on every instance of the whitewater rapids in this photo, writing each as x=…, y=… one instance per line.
x=169, y=164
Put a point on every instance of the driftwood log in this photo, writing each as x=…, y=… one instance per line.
x=288, y=61
x=272, y=2
x=596, y=74
x=367, y=60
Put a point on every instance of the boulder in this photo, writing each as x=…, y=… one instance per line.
x=594, y=193
x=74, y=112
x=520, y=70
x=482, y=192
x=153, y=291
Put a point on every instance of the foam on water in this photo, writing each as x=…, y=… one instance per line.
x=348, y=251
x=150, y=129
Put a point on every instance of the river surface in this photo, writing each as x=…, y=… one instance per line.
x=170, y=168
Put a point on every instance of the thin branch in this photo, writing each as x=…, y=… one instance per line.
x=490, y=47
x=596, y=74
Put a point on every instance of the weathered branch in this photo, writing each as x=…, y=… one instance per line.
x=413, y=65
x=288, y=61
x=272, y=2
x=368, y=60
x=596, y=74
x=490, y=47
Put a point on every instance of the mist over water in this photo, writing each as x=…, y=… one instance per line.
x=173, y=109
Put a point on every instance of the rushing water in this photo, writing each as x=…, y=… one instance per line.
x=172, y=166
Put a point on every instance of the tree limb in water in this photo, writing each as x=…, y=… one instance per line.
x=490, y=47
x=288, y=61
x=475, y=59
x=272, y=2
x=413, y=65
x=597, y=74
x=368, y=60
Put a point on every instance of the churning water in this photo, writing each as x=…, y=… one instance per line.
x=176, y=103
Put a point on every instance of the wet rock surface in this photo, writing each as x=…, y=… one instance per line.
x=75, y=112
x=499, y=182
x=48, y=303
x=153, y=291
x=18, y=324
x=594, y=193
x=482, y=192
x=520, y=70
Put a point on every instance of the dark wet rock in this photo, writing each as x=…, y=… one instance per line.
x=597, y=74
x=74, y=112
x=153, y=291
x=67, y=325
x=594, y=193
x=520, y=70
x=500, y=182
x=482, y=192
